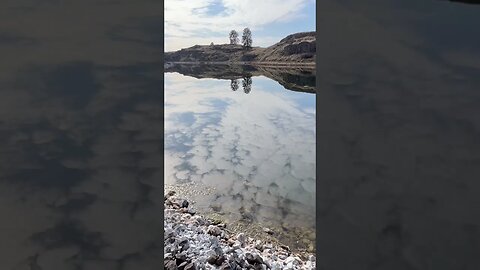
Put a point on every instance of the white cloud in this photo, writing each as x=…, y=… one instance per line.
x=188, y=20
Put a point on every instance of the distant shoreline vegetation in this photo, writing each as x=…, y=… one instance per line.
x=297, y=49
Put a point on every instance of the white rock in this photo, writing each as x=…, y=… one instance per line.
x=290, y=260
x=276, y=266
x=237, y=245
x=241, y=238
x=308, y=265
x=204, y=239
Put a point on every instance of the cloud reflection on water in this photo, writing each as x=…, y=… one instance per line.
x=256, y=149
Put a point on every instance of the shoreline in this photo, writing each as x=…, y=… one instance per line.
x=300, y=239
x=309, y=65
x=194, y=241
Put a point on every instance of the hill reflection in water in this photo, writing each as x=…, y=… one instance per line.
x=300, y=79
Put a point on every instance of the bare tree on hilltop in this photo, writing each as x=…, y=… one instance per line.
x=233, y=37
x=247, y=38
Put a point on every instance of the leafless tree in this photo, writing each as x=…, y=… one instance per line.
x=233, y=37
x=247, y=38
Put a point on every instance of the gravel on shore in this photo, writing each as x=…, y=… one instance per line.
x=195, y=242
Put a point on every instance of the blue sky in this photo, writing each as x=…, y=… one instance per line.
x=191, y=22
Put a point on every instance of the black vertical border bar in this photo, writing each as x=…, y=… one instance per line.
x=162, y=112
x=318, y=178
x=317, y=175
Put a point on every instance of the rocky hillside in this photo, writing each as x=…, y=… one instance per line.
x=300, y=47
x=296, y=48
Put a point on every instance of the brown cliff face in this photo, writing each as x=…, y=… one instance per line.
x=295, y=48
x=299, y=47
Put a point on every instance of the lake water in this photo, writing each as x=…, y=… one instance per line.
x=250, y=139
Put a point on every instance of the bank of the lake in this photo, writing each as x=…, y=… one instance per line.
x=195, y=241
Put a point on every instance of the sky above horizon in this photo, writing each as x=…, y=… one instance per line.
x=201, y=22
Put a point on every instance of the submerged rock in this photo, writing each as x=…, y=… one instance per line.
x=267, y=230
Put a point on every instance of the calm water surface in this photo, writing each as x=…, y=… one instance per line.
x=251, y=139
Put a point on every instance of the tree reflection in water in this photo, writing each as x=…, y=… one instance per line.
x=234, y=85
x=247, y=84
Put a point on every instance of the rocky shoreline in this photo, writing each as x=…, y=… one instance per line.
x=195, y=242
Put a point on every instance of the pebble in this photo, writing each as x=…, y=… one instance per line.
x=181, y=257
x=267, y=230
x=291, y=260
x=190, y=266
x=170, y=265
x=241, y=238
x=182, y=265
x=214, y=230
x=258, y=245
x=169, y=194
